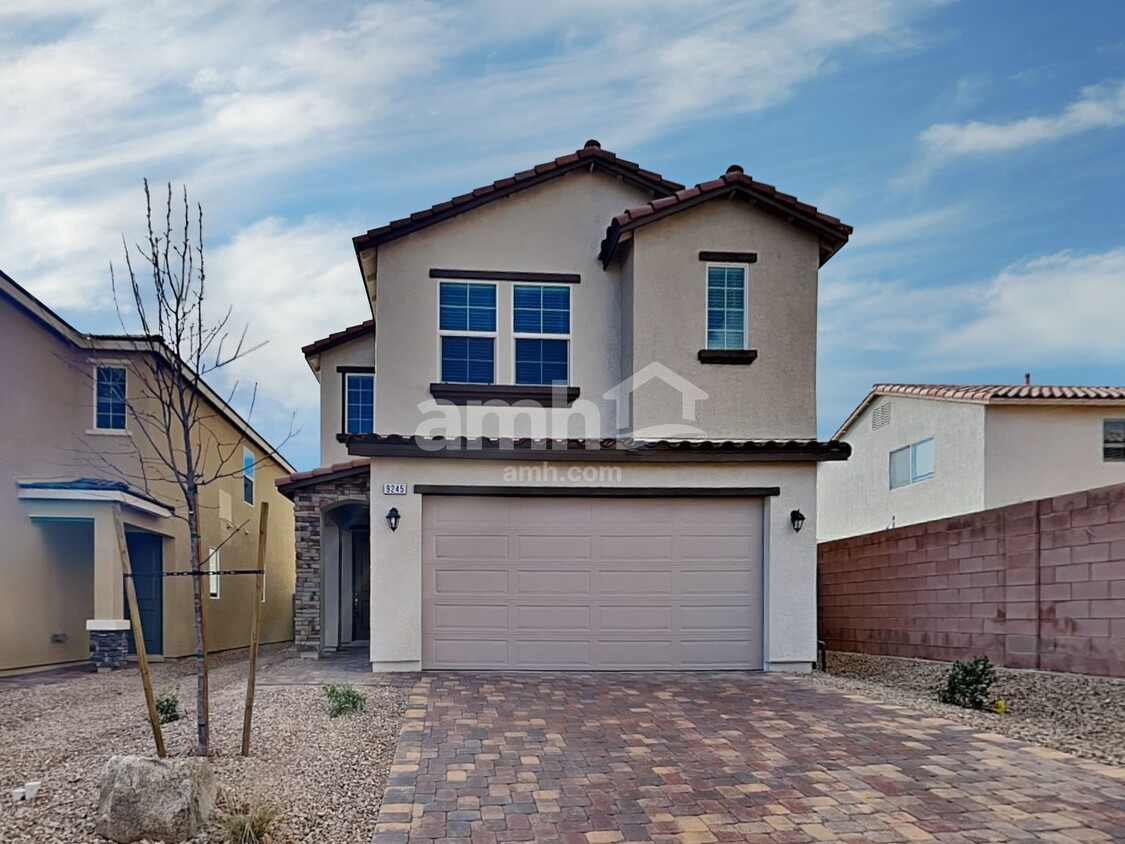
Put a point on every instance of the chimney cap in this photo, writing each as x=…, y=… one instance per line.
x=735, y=168
x=1027, y=379
x=592, y=143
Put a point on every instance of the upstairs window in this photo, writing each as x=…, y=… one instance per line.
x=359, y=403
x=1113, y=440
x=541, y=332
x=912, y=463
x=248, y=464
x=109, y=396
x=726, y=307
x=467, y=325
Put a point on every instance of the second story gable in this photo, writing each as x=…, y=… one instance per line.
x=615, y=299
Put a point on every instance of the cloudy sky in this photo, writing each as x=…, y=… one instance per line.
x=977, y=147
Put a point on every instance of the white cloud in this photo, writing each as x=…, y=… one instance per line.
x=1098, y=106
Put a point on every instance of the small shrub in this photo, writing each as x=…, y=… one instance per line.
x=168, y=706
x=249, y=824
x=343, y=699
x=968, y=683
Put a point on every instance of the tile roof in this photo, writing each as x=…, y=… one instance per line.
x=338, y=337
x=90, y=485
x=609, y=448
x=591, y=155
x=833, y=233
x=322, y=473
x=991, y=394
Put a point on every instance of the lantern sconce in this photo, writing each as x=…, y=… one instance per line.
x=797, y=519
x=393, y=518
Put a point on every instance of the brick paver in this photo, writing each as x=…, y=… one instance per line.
x=600, y=759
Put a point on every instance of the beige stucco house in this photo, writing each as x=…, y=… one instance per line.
x=71, y=458
x=928, y=451
x=585, y=436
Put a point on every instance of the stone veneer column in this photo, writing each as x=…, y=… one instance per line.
x=109, y=643
x=309, y=504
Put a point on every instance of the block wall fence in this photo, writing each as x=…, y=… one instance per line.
x=1039, y=584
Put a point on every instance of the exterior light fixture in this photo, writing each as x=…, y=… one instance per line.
x=393, y=517
x=797, y=519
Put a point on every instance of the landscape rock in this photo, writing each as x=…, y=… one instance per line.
x=166, y=800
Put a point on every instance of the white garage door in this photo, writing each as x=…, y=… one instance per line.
x=591, y=583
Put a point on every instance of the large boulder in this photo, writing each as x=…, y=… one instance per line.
x=156, y=799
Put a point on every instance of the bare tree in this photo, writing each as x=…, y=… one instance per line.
x=182, y=449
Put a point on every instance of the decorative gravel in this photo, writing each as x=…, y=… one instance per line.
x=326, y=775
x=1075, y=713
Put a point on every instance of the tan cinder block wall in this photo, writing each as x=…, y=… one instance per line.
x=1034, y=585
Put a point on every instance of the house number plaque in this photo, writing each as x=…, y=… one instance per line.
x=394, y=489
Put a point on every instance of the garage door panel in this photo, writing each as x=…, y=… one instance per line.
x=468, y=617
x=549, y=582
x=464, y=546
x=605, y=584
x=637, y=581
x=534, y=546
x=558, y=618
x=457, y=581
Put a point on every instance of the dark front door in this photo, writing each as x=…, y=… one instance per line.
x=361, y=584
x=146, y=556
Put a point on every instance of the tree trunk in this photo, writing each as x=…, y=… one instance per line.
x=203, y=728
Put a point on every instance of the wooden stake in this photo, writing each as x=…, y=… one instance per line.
x=255, y=629
x=138, y=635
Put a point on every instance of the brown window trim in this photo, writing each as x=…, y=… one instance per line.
x=599, y=492
x=505, y=275
x=362, y=370
x=509, y=393
x=735, y=357
x=730, y=257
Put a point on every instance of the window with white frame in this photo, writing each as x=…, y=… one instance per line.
x=1113, y=440
x=541, y=333
x=248, y=466
x=913, y=463
x=467, y=327
x=359, y=402
x=727, y=298
x=213, y=569
x=110, y=383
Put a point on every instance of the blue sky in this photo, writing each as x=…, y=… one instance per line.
x=977, y=147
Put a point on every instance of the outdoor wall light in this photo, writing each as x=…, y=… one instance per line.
x=393, y=517
x=797, y=518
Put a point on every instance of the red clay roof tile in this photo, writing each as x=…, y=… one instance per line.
x=338, y=337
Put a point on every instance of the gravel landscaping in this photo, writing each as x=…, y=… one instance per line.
x=1075, y=713
x=326, y=775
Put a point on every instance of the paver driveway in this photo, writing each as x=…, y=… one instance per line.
x=582, y=759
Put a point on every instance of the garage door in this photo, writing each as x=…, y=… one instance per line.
x=591, y=583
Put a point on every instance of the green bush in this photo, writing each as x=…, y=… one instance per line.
x=968, y=683
x=249, y=824
x=168, y=706
x=342, y=700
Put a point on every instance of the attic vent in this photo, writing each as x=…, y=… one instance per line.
x=880, y=417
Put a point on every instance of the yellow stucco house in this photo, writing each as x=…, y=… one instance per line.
x=72, y=461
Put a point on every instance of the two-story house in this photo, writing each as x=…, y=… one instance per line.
x=78, y=455
x=929, y=451
x=586, y=435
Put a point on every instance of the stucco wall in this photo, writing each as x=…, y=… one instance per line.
x=357, y=352
x=396, y=585
x=776, y=395
x=1033, y=452
x=556, y=228
x=855, y=496
x=44, y=422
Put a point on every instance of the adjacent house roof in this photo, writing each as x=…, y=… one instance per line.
x=734, y=183
x=338, y=337
x=605, y=450
x=591, y=156
x=1031, y=394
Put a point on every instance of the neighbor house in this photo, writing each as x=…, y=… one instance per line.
x=586, y=435
x=74, y=457
x=928, y=451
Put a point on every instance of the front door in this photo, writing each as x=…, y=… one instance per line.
x=361, y=584
x=146, y=556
